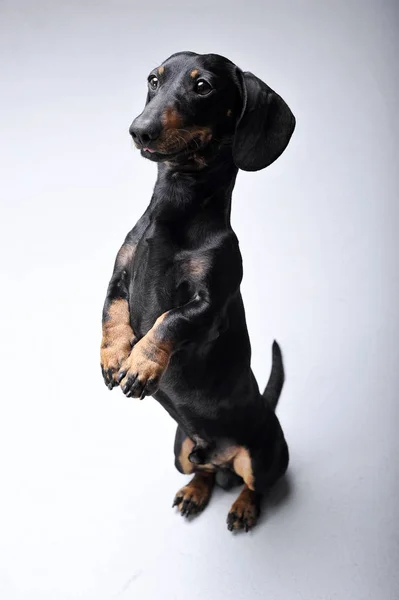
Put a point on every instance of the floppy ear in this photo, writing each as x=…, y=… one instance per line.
x=264, y=127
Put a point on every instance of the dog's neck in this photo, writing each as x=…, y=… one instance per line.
x=180, y=191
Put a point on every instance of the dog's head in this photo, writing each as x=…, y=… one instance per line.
x=198, y=105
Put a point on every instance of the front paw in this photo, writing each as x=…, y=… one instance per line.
x=113, y=355
x=142, y=371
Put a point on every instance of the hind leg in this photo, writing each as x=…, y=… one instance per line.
x=245, y=511
x=194, y=496
x=260, y=469
x=182, y=449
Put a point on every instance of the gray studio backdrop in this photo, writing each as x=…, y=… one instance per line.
x=87, y=477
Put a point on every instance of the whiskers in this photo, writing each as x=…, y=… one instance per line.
x=179, y=139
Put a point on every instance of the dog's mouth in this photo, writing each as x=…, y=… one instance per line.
x=159, y=155
x=194, y=145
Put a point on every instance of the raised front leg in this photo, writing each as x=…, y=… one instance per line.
x=118, y=336
x=142, y=371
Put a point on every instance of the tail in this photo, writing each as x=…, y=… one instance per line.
x=276, y=380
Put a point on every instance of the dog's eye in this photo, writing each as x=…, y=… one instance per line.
x=153, y=82
x=202, y=87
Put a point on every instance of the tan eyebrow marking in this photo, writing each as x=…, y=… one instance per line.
x=194, y=73
x=161, y=70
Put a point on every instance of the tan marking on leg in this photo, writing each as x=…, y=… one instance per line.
x=245, y=511
x=242, y=465
x=186, y=448
x=159, y=320
x=117, y=336
x=156, y=337
x=194, y=496
x=147, y=361
x=194, y=73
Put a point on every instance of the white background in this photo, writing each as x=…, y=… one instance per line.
x=87, y=476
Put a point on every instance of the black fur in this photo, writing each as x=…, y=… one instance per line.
x=186, y=262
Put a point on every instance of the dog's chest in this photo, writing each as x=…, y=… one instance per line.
x=159, y=277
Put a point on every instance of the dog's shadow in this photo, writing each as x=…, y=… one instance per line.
x=281, y=492
x=278, y=497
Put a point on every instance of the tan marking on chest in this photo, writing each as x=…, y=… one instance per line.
x=197, y=266
x=125, y=255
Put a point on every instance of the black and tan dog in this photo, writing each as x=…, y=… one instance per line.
x=174, y=323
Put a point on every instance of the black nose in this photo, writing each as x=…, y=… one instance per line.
x=144, y=131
